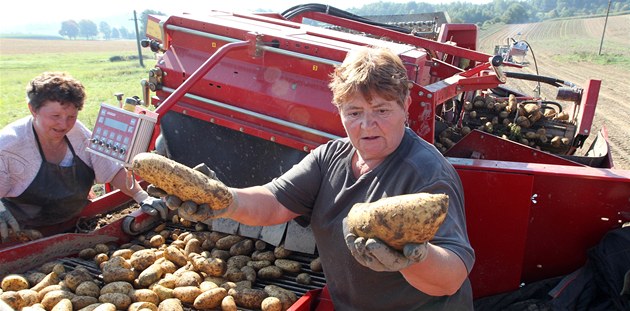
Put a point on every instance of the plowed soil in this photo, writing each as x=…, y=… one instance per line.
x=569, y=50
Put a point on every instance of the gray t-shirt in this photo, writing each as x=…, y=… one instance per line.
x=323, y=188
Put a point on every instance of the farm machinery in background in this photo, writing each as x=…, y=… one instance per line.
x=246, y=93
x=514, y=51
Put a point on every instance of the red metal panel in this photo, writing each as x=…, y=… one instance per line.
x=497, y=213
x=574, y=207
x=571, y=214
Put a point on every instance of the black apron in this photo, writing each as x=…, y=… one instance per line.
x=57, y=194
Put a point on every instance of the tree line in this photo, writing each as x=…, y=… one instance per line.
x=497, y=11
x=88, y=30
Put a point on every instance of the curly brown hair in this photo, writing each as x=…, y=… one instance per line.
x=55, y=86
x=369, y=71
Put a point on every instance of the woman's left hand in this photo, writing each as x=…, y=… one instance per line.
x=378, y=256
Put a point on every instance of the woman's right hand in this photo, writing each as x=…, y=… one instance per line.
x=7, y=220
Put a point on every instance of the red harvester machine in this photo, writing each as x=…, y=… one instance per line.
x=247, y=94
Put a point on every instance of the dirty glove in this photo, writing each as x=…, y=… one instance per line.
x=150, y=205
x=6, y=220
x=378, y=256
x=191, y=211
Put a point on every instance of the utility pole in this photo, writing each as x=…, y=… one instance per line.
x=605, y=22
x=135, y=20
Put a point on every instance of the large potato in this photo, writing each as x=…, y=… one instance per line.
x=399, y=220
x=14, y=282
x=186, y=294
x=210, y=299
x=180, y=180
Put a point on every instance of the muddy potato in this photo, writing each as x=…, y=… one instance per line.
x=123, y=252
x=271, y=304
x=142, y=259
x=157, y=241
x=180, y=180
x=286, y=296
x=170, y=304
x=143, y=305
x=51, y=278
x=169, y=280
x=228, y=304
x=220, y=253
x=79, y=302
x=238, y=261
x=186, y=294
x=244, y=247
x=303, y=278
x=234, y=275
x=259, y=264
x=270, y=272
x=281, y=252
x=316, y=265
x=101, y=248
x=50, y=288
x=88, y=288
x=99, y=259
x=209, y=266
x=118, y=274
x=162, y=292
x=53, y=297
x=121, y=301
x=225, y=243
x=150, y=275
x=266, y=255
x=250, y=273
x=63, y=305
x=188, y=278
x=29, y=296
x=34, y=277
x=76, y=277
x=102, y=307
x=175, y=255
x=167, y=266
x=87, y=253
x=207, y=285
x=31, y=308
x=193, y=246
x=287, y=265
x=144, y=295
x=13, y=299
x=399, y=220
x=210, y=299
x=117, y=287
x=14, y=282
x=249, y=298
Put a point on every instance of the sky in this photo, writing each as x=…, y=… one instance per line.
x=36, y=12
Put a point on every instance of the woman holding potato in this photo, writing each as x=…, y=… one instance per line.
x=46, y=172
x=380, y=158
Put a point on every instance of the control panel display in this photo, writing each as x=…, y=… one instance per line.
x=120, y=134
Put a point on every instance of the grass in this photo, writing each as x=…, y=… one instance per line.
x=101, y=77
x=595, y=58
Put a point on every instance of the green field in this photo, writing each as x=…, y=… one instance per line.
x=88, y=61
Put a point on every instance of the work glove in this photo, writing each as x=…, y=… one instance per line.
x=151, y=205
x=378, y=256
x=7, y=220
x=194, y=212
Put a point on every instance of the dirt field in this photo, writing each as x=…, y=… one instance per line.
x=556, y=43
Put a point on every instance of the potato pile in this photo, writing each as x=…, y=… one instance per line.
x=204, y=270
x=527, y=123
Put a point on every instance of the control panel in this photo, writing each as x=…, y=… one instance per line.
x=121, y=134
